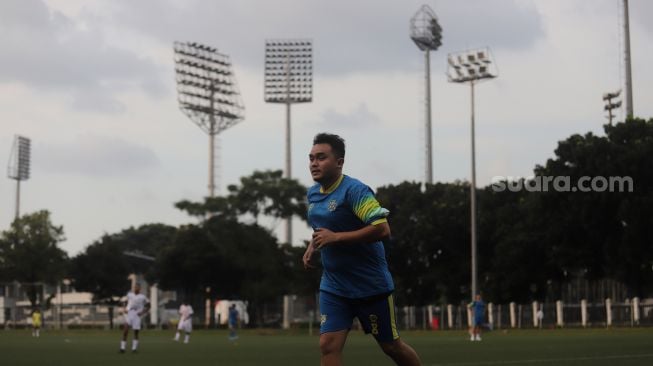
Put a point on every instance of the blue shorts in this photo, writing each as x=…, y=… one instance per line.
x=478, y=321
x=376, y=314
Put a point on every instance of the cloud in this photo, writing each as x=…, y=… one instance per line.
x=95, y=156
x=360, y=117
x=348, y=36
x=640, y=11
x=46, y=50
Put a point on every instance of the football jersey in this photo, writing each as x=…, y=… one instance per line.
x=233, y=315
x=185, y=311
x=352, y=270
x=136, y=302
x=479, y=308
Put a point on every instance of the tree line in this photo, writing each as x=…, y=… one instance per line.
x=531, y=242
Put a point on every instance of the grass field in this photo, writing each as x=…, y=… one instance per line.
x=594, y=347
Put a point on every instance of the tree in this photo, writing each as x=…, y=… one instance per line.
x=229, y=258
x=262, y=193
x=103, y=267
x=603, y=234
x=31, y=254
x=428, y=254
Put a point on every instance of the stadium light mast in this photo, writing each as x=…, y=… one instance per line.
x=288, y=80
x=19, y=165
x=207, y=93
x=628, y=94
x=426, y=32
x=609, y=105
x=471, y=67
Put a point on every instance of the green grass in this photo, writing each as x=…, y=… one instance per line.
x=594, y=347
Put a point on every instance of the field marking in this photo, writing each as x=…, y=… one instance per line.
x=546, y=360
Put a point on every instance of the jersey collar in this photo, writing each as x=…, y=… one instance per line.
x=333, y=186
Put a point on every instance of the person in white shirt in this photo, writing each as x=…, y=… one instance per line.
x=137, y=306
x=185, y=321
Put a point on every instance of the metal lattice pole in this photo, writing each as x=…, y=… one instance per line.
x=288, y=80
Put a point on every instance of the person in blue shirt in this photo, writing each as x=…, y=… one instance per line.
x=478, y=314
x=349, y=224
x=233, y=322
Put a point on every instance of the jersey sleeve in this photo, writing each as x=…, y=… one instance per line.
x=365, y=206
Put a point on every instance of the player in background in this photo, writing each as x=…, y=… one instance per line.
x=478, y=315
x=185, y=321
x=36, y=323
x=234, y=318
x=137, y=306
x=349, y=226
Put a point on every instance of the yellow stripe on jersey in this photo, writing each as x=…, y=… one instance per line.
x=333, y=186
x=379, y=221
x=393, y=321
x=369, y=209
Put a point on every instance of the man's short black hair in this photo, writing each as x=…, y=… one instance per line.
x=336, y=142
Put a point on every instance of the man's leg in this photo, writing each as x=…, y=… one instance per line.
x=123, y=341
x=179, y=329
x=135, y=340
x=401, y=353
x=331, y=346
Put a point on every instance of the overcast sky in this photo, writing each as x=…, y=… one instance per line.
x=91, y=82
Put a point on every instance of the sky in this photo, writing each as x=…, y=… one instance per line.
x=92, y=84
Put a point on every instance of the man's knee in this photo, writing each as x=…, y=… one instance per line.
x=392, y=348
x=330, y=344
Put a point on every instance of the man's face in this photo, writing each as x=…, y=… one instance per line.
x=323, y=163
x=137, y=289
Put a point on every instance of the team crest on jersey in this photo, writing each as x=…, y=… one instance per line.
x=323, y=318
x=332, y=205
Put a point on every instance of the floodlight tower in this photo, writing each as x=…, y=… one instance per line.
x=288, y=80
x=627, y=63
x=426, y=32
x=609, y=105
x=207, y=93
x=19, y=164
x=472, y=67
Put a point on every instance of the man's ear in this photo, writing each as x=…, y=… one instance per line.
x=341, y=162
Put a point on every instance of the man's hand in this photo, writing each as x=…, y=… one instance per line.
x=308, y=254
x=323, y=237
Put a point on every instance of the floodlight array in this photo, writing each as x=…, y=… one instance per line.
x=206, y=87
x=471, y=65
x=19, y=159
x=425, y=30
x=288, y=71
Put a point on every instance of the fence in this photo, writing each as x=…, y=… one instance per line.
x=525, y=316
x=633, y=312
x=292, y=311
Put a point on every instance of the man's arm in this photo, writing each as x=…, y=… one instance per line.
x=308, y=254
x=367, y=234
x=145, y=310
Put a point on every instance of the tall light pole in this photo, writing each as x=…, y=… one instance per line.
x=609, y=105
x=288, y=80
x=19, y=165
x=627, y=63
x=471, y=67
x=426, y=32
x=207, y=93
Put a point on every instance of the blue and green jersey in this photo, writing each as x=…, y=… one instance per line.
x=350, y=270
